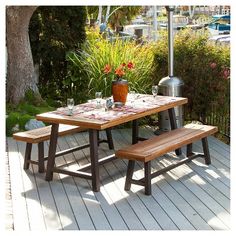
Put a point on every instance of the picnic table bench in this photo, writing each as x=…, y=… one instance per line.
x=157, y=146
x=39, y=135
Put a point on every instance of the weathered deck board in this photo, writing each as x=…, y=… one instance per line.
x=192, y=196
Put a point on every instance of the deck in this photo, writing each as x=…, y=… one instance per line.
x=190, y=197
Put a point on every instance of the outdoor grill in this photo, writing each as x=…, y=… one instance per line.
x=170, y=85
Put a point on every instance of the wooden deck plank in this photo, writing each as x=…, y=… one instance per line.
x=212, y=181
x=80, y=211
x=83, y=189
x=218, y=166
x=220, y=169
x=218, y=207
x=93, y=206
x=202, y=210
x=36, y=221
x=19, y=204
x=118, y=197
x=137, y=205
x=214, y=193
x=193, y=196
x=107, y=204
x=222, y=146
x=163, y=218
x=180, y=219
x=193, y=182
x=47, y=202
x=65, y=190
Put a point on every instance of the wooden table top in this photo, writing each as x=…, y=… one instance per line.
x=88, y=116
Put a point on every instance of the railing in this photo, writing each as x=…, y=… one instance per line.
x=222, y=120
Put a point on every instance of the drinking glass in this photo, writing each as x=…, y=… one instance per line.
x=70, y=105
x=98, y=97
x=154, y=90
x=131, y=97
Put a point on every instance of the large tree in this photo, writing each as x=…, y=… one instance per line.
x=20, y=67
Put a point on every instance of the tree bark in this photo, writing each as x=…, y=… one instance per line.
x=20, y=67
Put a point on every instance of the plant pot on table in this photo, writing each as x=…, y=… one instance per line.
x=120, y=90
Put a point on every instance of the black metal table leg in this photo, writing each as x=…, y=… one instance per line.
x=173, y=125
x=52, y=151
x=134, y=131
x=109, y=138
x=41, y=167
x=93, y=139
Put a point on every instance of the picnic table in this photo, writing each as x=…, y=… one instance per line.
x=88, y=116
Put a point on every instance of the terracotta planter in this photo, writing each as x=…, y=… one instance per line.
x=120, y=90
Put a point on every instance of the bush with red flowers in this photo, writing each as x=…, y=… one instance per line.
x=205, y=69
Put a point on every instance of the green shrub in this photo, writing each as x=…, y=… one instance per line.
x=87, y=65
x=11, y=120
x=22, y=113
x=34, y=98
x=53, y=31
x=28, y=109
x=204, y=68
x=23, y=120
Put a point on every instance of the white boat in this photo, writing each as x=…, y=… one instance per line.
x=221, y=39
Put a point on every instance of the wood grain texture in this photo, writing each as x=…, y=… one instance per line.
x=89, y=123
x=191, y=196
x=43, y=134
x=169, y=141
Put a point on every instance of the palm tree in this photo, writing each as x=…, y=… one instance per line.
x=123, y=16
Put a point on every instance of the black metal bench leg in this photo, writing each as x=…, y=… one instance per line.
x=129, y=174
x=41, y=167
x=173, y=125
x=147, y=181
x=189, y=150
x=109, y=138
x=27, y=155
x=206, y=151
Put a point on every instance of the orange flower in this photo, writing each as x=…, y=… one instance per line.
x=119, y=71
x=107, y=69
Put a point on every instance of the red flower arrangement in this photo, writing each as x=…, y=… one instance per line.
x=120, y=71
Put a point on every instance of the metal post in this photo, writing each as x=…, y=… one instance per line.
x=155, y=23
x=170, y=10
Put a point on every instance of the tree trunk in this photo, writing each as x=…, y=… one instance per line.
x=20, y=66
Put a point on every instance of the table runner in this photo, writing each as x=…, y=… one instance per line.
x=139, y=103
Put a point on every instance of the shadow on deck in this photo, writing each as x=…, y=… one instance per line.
x=192, y=196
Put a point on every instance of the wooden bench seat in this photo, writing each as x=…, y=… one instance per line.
x=157, y=146
x=42, y=134
x=39, y=135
